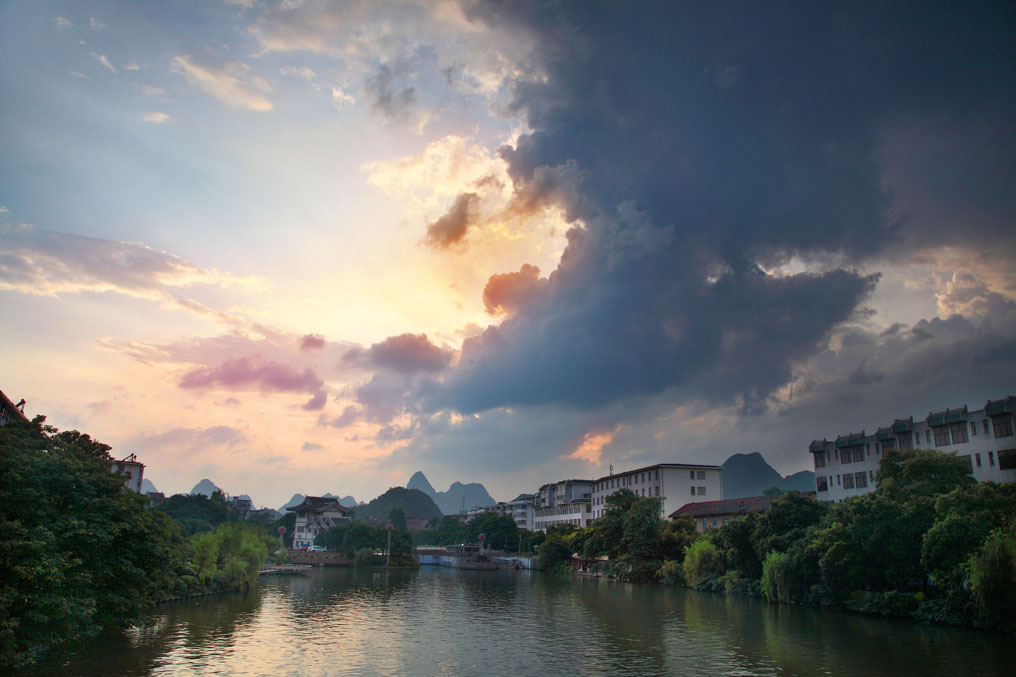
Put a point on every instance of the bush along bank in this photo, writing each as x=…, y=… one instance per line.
x=929, y=544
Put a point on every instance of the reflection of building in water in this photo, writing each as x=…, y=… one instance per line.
x=847, y=465
x=9, y=411
x=132, y=468
x=315, y=516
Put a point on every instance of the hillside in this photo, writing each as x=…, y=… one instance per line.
x=747, y=475
x=412, y=502
x=205, y=487
x=459, y=496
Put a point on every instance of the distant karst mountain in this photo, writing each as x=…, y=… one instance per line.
x=747, y=475
x=412, y=501
x=205, y=487
x=147, y=487
x=297, y=499
x=458, y=497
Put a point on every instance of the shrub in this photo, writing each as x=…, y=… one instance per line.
x=702, y=561
x=891, y=604
x=672, y=573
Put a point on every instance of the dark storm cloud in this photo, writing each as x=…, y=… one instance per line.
x=696, y=142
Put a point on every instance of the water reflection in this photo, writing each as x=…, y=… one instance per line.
x=345, y=621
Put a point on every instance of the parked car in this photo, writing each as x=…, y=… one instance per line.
x=302, y=548
x=316, y=548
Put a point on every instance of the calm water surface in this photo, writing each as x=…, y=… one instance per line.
x=445, y=622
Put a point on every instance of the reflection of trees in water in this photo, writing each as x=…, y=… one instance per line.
x=758, y=636
x=206, y=623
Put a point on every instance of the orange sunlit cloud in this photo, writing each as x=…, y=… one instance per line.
x=592, y=445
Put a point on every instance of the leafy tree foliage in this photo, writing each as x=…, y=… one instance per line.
x=702, y=561
x=79, y=552
x=234, y=553
x=993, y=574
x=196, y=513
x=412, y=502
x=397, y=518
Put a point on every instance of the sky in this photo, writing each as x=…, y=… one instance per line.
x=308, y=246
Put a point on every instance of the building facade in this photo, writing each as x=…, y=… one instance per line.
x=564, y=502
x=315, y=516
x=985, y=437
x=674, y=483
x=132, y=469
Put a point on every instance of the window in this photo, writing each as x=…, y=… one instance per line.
x=848, y=481
x=1007, y=459
x=868, y=449
x=837, y=480
x=860, y=480
x=977, y=459
x=1002, y=425
x=941, y=435
x=819, y=461
x=858, y=455
x=959, y=433
x=822, y=484
x=701, y=491
x=973, y=429
x=985, y=422
x=657, y=473
x=693, y=491
x=871, y=475
x=917, y=439
x=970, y=463
x=691, y=475
x=657, y=491
x=991, y=458
x=927, y=436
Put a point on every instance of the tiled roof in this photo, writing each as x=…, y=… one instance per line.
x=320, y=504
x=731, y=506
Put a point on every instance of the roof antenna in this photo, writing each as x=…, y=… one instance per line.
x=20, y=406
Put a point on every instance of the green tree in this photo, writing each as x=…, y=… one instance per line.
x=641, y=540
x=79, y=552
x=500, y=531
x=963, y=519
x=906, y=473
x=397, y=518
x=993, y=577
x=554, y=552
x=333, y=538
x=610, y=526
x=195, y=513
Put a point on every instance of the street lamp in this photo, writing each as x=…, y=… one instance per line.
x=388, y=559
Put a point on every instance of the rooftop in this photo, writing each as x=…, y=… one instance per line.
x=730, y=506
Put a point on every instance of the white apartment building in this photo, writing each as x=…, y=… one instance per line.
x=564, y=502
x=523, y=511
x=675, y=483
x=132, y=469
x=847, y=465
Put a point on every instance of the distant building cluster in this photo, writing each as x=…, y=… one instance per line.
x=847, y=466
x=578, y=502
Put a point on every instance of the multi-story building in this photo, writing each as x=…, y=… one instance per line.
x=847, y=466
x=317, y=515
x=564, y=502
x=132, y=468
x=522, y=510
x=674, y=483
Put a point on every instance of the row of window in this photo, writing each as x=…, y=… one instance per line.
x=701, y=491
x=628, y=480
x=857, y=480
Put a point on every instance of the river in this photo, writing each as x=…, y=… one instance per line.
x=440, y=621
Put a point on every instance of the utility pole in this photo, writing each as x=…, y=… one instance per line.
x=388, y=557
